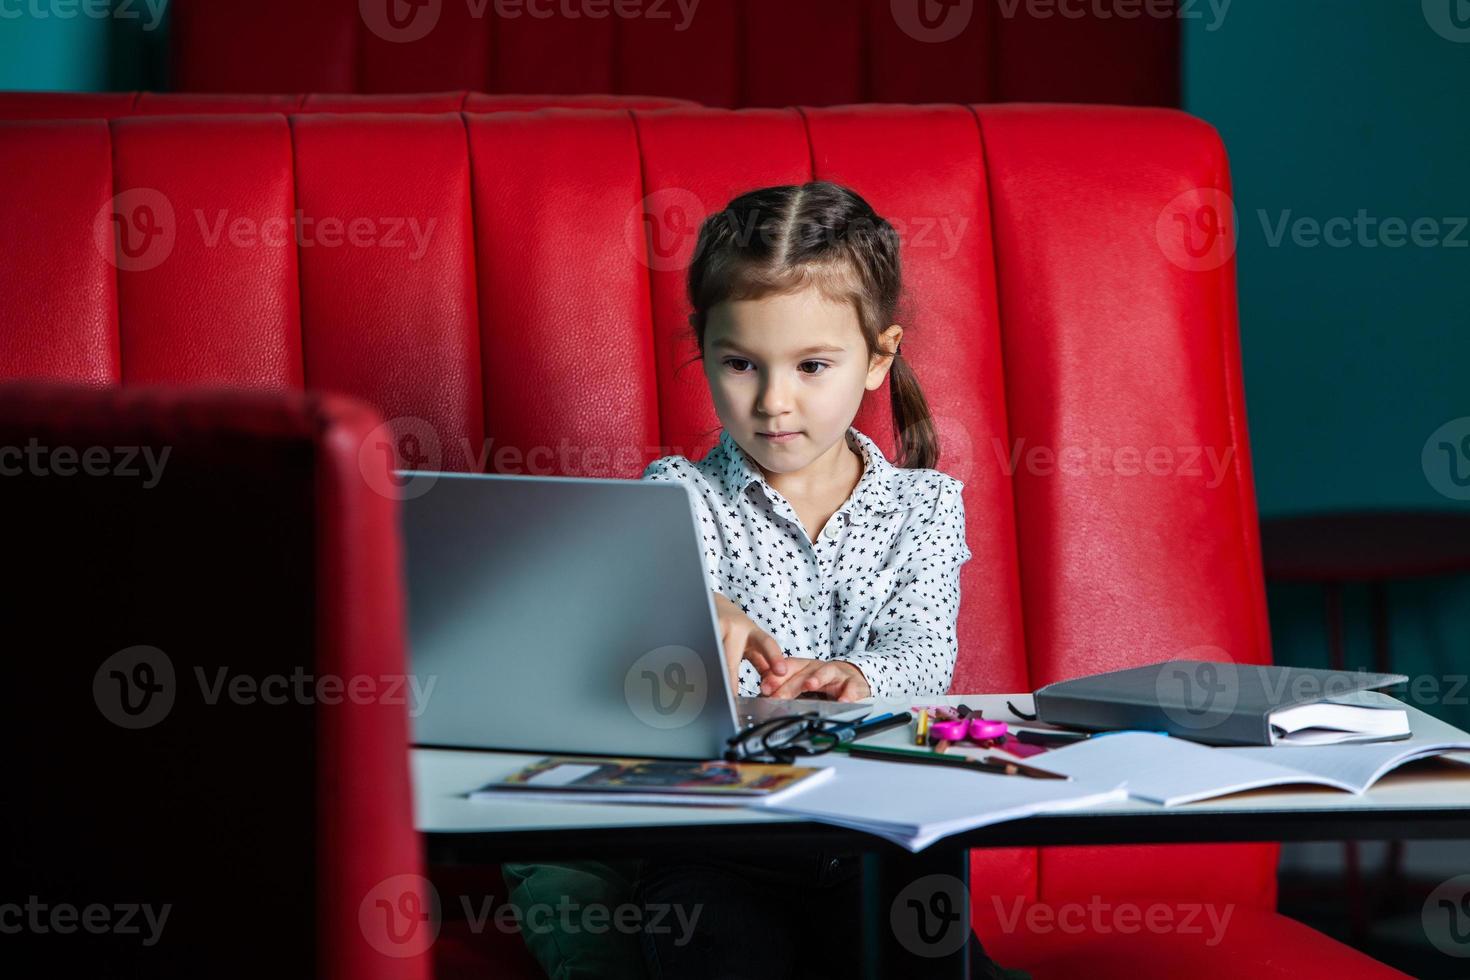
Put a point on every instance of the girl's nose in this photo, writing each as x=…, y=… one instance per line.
x=774, y=400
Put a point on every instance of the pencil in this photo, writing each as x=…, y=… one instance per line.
x=885, y=754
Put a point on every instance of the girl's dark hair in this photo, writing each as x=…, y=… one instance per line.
x=782, y=239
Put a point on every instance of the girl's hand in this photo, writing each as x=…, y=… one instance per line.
x=743, y=640
x=841, y=680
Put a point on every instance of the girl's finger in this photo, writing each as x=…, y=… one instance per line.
x=775, y=657
x=794, y=684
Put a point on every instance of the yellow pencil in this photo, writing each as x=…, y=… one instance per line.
x=921, y=727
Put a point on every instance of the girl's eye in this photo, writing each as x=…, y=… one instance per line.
x=735, y=363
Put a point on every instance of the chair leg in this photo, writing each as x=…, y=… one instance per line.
x=1337, y=660
x=1391, y=884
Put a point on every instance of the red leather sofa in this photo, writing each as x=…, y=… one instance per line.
x=727, y=53
x=1079, y=352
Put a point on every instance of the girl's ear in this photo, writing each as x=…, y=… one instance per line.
x=888, y=342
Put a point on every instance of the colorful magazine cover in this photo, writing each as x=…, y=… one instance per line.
x=655, y=775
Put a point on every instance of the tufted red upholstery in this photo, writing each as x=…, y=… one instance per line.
x=538, y=329
x=728, y=53
x=112, y=105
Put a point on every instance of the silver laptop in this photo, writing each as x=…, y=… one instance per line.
x=568, y=615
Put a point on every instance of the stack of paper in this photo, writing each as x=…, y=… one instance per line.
x=1361, y=716
x=915, y=805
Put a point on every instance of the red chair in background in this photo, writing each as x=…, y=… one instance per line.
x=726, y=53
x=191, y=570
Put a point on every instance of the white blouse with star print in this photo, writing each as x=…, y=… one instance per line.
x=880, y=586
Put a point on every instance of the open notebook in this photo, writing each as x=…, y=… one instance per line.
x=1168, y=770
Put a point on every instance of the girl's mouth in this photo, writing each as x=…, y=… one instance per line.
x=782, y=437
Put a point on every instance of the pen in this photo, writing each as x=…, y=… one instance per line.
x=936, y=759
x=1032, y=736
x=871, y=726
x=921, y=727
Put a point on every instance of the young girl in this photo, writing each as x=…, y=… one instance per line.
x=834, y=570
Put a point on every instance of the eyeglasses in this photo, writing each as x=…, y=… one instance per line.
x=783, y=739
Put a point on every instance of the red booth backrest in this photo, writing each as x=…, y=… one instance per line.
x=113, y=105
x=727, y=53
x=487, y=282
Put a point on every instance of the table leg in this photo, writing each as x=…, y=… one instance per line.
x=917, y=913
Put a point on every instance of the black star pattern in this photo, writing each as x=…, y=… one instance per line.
x=899, y=561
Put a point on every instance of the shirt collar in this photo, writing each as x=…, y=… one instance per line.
x=875, y=492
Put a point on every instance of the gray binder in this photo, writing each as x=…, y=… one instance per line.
x=1217, y=703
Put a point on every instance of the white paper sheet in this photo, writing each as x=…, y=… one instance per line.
x=915, y=805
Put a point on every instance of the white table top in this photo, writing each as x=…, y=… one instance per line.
x=441, y=778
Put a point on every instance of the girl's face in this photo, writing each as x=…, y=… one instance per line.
x=790, y=363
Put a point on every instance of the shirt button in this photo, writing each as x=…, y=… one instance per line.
x=805, y=602
x=830, y=532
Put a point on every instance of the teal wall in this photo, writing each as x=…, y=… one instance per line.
x=1353, y=355
x=56, y=46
